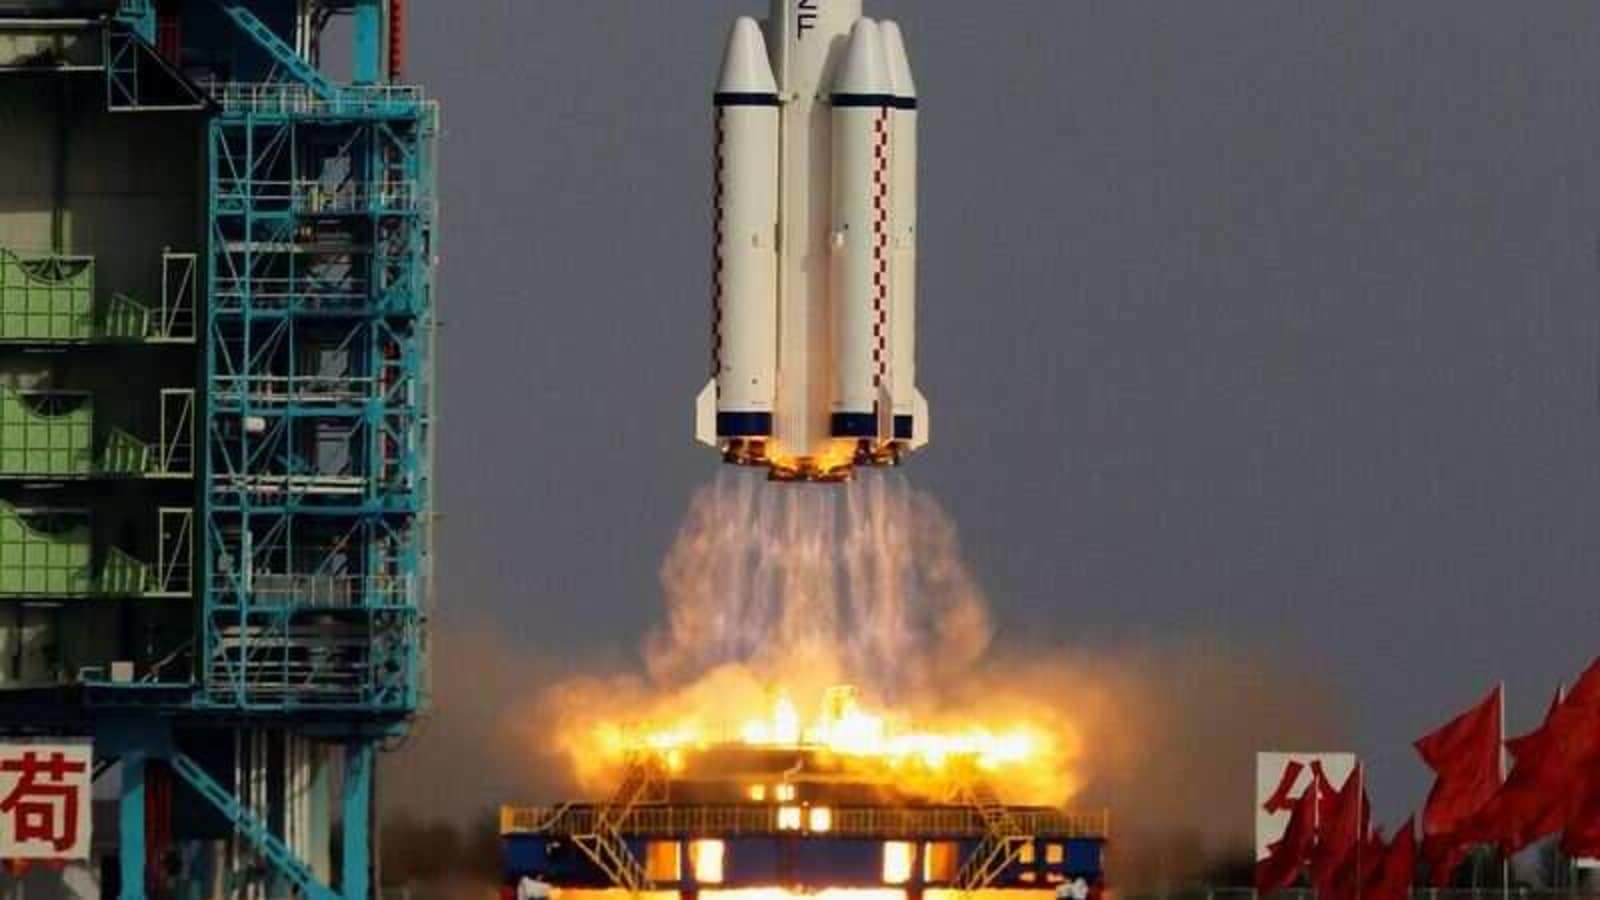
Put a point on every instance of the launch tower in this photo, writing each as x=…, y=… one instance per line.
x=216, y=344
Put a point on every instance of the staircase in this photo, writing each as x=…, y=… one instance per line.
x=281, y=53
x=1002, y=842
x=253, y=829
x=605, y=846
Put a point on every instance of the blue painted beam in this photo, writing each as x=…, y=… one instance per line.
x=130, y=826
x=357, y=813
x=252, y=828
x=139, y=15
x=368, y=49
x=275, y=47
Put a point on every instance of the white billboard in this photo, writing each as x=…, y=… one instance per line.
x=1281, y=780
x=45, y=803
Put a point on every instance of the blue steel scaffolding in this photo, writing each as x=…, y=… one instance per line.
x=311, y=547
x=319, y=338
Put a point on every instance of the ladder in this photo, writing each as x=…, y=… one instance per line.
x=605, y=846
x=1003, y=839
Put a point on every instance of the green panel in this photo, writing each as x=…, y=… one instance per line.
x=38, y=560
x=46, y=298
x=124, y=455
x=123, y=319
x=45, y=433
x=124, y=576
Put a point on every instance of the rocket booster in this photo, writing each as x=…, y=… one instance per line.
x=814, y=278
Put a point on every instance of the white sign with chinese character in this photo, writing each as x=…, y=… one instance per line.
x=1281, y=780
x=45, y=800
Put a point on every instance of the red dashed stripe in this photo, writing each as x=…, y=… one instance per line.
x=717, y=261
x=880, y=248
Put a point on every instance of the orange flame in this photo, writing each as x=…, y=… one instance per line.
x=845, y=728
x=775, y=594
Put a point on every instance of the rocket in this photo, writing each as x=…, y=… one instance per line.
x=814, y=275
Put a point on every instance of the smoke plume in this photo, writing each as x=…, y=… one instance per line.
x=863, y=584
x=800, y=588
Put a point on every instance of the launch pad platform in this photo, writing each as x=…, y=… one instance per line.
x=742, y=819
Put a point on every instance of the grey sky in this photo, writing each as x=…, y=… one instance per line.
x=1268, y=320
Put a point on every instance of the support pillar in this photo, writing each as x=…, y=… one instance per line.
x=356, y=883
x=320, y=837
x=130, y=826
x=367, y=52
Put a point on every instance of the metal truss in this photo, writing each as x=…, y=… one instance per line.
x=138, y=79
x=273, y=824
x=317, y=435
x=308, y=551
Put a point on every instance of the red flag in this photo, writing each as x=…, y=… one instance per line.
x=1327, y=794
x=1287, y=857
x=1359, y=865
x=1543, y=793
x=1392, y=878
x=1340, y=830
x=1582, y=837
x=1586, y=692
x=1465, y=757
x=1444, y=855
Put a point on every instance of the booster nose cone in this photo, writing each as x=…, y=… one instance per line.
x=901, y=82
x=864, y=74
x=746, y=69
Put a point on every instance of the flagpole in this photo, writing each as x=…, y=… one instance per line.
x=1505, y=862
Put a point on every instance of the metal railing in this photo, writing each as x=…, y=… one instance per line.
x=320, y=197
x=176, y=454
x=125, y=455
x=278, y=390
x=297, y=99
x=179, y=289
x=301, y=591
x=175, y=552
x=290, y=293
x=735, y=820
x=326, y=662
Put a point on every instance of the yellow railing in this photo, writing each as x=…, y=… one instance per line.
x=848, y=821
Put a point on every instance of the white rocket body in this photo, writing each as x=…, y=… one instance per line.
x=814, y=368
